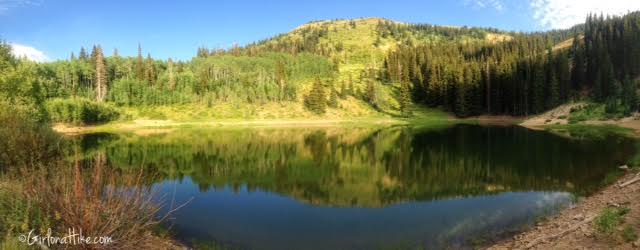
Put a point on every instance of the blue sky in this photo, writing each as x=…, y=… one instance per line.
x=50, y=30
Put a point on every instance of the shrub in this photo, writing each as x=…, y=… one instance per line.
x=80, y=111
x=628, y=234
x=609, y=219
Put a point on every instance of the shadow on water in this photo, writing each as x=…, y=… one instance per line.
x=362, y=188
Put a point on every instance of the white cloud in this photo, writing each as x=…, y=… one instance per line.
x=495, y=4
x=31, y=53
x=558, y=14
x=6, y=5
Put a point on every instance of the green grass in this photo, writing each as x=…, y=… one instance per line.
x=18, y=215
x=584, y=131
x=592, y=112
x=612, y=177
x=629, y=234
x=609, y=220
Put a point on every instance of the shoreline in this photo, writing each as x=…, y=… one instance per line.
x=146, y=124
x=573, y=227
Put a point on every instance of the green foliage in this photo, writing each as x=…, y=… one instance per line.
x=316, y=100
x=468, y=71
x=596, y=112
x=22, y=92
x=524, y=75
x=18, y=214
x=609, y=220
x=405, y=99
x=81, y=111
x=584, y=131
x=629, y=234
x=333, y=98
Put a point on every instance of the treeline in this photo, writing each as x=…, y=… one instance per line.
x=146, y=81
x=525, y=75
x=454, y=68
x=93, y=82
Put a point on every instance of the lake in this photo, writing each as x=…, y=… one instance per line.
x=361, y=187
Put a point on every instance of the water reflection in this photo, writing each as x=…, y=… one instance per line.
x=361, y=187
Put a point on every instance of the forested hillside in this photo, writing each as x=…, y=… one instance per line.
x=526, y=75
x=345, y=68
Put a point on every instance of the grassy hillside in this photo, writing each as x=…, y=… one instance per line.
x=357, y=48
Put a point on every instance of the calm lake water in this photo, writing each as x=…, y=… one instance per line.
x=361, y=188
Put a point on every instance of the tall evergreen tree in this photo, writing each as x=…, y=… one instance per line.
x=405, y=98
x=316, y=100
x=139, y=66
x=100, y=75
x=172, y=79
x=83, y=56
x=333, y=98
x=149, y=71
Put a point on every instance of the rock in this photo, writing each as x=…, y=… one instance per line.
x=624, y=167
x=636, y=244
x=578, y=217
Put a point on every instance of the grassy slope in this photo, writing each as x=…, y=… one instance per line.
x=358, y=54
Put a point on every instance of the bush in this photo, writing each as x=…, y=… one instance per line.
x=80, y=111
x=629, y=234
x=609, y=220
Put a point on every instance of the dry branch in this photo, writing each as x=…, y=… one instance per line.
x=634, y=180
x=559, y=234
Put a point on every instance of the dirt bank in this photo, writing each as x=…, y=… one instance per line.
x=561, y=114
x=151, y=126
x=555, y=116
x=574, y=227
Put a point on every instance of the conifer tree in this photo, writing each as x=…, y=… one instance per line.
x=629, y=96
x=83, y=54
x=149, y=72
x=139, y=66
x=333, y=98
x=172, y=80
x=100, y=75
x=316, y=100
x=554, y=90
x=405, y=98
x=343, y=90
x=281, y=78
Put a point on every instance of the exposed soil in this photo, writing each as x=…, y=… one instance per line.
x=574, y=228
x=555, y=116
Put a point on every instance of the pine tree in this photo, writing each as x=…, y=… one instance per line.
x=101, y=75
x=83, y=56
x=172, y=80
x=316, y=100
x=405, y=98
x=333, y=98
x=281, y=78
x=539, y=98
x=351, y=90
x=630, y=97
x=554, y=90
x=149, y=72
x=343, y=90
x=139, y=66
x=372, y=93
x=578, y=71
